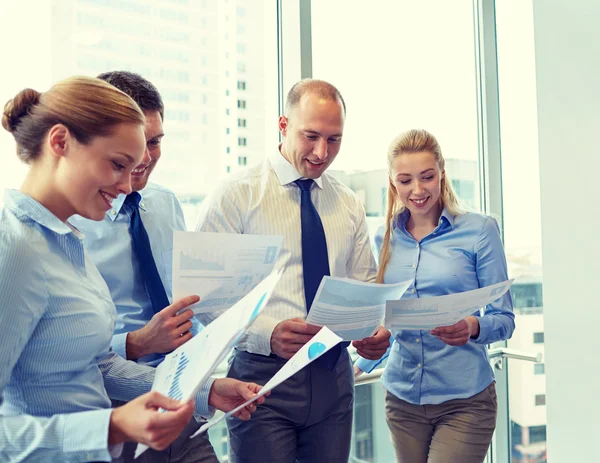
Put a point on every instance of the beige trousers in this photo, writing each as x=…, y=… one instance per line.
x=456, y=431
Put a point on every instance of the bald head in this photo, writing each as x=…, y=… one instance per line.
x=318, y=88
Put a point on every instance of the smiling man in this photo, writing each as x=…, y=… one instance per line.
x=132, y=248
x=308, y=418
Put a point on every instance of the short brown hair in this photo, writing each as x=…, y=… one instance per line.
x=87, y=106
x=314, y=86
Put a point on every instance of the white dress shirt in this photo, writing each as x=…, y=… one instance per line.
x=263, y=200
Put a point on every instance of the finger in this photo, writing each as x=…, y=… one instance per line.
x=449, y=329
x=371, y=351
x=173, y=419
x=179, y=304
x=457, y=335
x=299, y=339
x=181, y=340
x=245, y=390
x=186, y=326
x=304, y=328
x=184, y=316
x=155, y=400
x=243, y=414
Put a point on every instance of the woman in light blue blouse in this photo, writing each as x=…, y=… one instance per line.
x=81, y=139
x=441, y=399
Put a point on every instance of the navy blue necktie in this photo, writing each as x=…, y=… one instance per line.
x=143, y=252
x=315, y=260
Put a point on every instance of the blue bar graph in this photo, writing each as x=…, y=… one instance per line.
x=175, y=389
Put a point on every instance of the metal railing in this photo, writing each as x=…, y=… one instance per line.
x=496, y=356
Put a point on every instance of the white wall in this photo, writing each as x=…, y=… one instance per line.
x=567, y=52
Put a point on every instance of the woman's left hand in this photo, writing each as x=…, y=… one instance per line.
x=459, y=333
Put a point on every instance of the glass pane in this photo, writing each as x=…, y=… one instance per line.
x=399, y=65
x=522, y=225
x=215, y=64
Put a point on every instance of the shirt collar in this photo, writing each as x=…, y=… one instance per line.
x=445, y=217
x=118, y=202
x=286, y=173
x=26, y=208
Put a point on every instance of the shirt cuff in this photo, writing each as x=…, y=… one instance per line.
x=86, y=436
x=119, y=344
x=485, y=326
x=368, y=366
x=258, y=340
x=203, y=409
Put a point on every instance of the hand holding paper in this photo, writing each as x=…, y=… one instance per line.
x=324, y=340
x=429, y=313
x=183, y=372
x=352, y=309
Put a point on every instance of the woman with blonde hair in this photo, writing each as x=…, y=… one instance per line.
x=441, y=400
x=81, y=139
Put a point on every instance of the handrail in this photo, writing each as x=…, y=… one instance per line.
x=503, y=352
x=495, y=355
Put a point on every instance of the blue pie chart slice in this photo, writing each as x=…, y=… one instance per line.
x=315, y=349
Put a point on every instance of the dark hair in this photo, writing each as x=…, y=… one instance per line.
x=143, y=92
x=317, y=87
x=88, y=107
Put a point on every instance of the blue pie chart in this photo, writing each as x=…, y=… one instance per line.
x=315, y=349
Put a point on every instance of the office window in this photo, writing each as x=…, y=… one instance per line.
x=538, y=338
x=241, y=141
x=241, y=85
x=241, y=122
x=227, y=130
x=241, y=104
x=539, y=369
x=228, y=150
x=540, y=399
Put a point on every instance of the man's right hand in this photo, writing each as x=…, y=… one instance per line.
x=165, y=332
x=289, y=336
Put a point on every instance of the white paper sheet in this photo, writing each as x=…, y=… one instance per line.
x=187, y=368
x=352, y=309
x=428, y=313
x=220, y=267
x=324, y=340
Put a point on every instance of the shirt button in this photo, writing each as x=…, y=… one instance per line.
x=112, y=212
x=417, y=245
x=414, y=266
x=412, y=291
x=419, y=365
x=142, y=204
x=418, y=340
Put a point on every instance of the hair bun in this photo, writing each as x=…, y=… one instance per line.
x=19, y=107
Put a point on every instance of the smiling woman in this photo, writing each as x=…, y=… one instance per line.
x=81, y=140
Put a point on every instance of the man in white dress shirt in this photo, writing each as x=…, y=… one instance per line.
x=309, y=417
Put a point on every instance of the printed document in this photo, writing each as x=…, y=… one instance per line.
x=427, y=313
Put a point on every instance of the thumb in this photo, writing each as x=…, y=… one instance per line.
x=157, y=400
x=246, y=390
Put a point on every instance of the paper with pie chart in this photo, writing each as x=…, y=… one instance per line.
x=185, y=370
x=324, y=340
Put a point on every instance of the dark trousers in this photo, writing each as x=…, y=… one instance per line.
x=307, y=418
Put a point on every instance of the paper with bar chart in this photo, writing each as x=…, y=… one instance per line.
x=427, y=313
x=324, y=340
x=352, y=309
x=185, y=370
x=220, y=267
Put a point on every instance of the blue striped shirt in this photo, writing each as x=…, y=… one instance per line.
x=57, y=370
x=464, y=252
x=109, y=245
